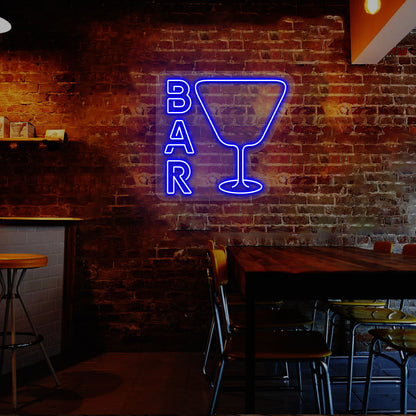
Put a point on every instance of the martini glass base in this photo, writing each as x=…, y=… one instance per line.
x=245, y=187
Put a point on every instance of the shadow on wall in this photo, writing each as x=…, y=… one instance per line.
x=79, y=180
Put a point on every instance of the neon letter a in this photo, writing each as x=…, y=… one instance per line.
x=180, y=137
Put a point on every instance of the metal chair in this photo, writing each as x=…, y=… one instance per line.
x=400, y=340
x=273, y=315
x=328, y=306
x=280, y=345
x=404, y=342
x=370, y=316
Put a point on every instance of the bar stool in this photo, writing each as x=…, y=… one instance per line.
x=16, y=266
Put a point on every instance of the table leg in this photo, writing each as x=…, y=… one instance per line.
x=250, y=348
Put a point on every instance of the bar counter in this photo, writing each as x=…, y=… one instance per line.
x=70, y=224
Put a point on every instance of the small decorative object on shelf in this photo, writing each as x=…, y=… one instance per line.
x=4, y=127
x=56, y=135
x=22, y=129
x=14, y=132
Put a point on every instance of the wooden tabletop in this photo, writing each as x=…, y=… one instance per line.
x=323, y=271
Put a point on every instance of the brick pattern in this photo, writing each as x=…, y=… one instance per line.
x=341, y=165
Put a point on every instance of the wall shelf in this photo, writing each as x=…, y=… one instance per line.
x=31, y=140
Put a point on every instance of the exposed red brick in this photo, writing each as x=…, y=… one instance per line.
x=340, y=158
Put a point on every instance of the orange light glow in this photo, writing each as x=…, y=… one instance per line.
x=5, y=26
x=372, y=6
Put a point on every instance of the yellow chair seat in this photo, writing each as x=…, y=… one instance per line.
x=357, y=302
x=370, y=315
x=401, y=339
x=286, y=345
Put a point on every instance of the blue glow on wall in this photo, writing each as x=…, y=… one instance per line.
x=241, y=185
x=200, y=117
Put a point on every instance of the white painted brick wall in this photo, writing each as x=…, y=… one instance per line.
x=41, y=289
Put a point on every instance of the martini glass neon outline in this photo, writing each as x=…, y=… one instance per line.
x=241, y=185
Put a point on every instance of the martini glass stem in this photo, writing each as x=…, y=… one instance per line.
x=240, y=168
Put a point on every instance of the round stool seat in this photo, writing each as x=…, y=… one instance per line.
x=22, y=261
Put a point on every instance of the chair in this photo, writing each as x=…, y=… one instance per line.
x=280, y=345
x=268, y=315
x=16, y=266
x=369, y=315
x=379, y=246
x=401, y=340
x=404, y=342
x=373, y=317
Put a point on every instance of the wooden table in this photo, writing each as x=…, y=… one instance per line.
x=314, y=272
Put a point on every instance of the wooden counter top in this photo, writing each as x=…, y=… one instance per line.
x=40, y=219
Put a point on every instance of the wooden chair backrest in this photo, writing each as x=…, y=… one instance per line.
x=218, y=257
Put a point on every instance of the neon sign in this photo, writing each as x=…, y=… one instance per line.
x=202, y=117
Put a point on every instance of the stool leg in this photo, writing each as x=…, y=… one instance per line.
x=5, y=295
x=13, y=340
x=3, y=286
x=7, y=292
x=18, y=296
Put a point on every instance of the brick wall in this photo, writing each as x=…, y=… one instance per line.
x=341, y=165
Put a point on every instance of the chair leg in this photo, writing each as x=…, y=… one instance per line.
x=300, y=379
x=326, y=385
x=208, y=346
x=403, y=385
x=217, y=384
x=315, y=306
x=330, y=328
x=327, y=324
x=315, y=385
x=287, y=374
x=351, y=368
x=322, y=387
x=369, y=375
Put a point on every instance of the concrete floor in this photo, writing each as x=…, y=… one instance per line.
x=167, y=383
